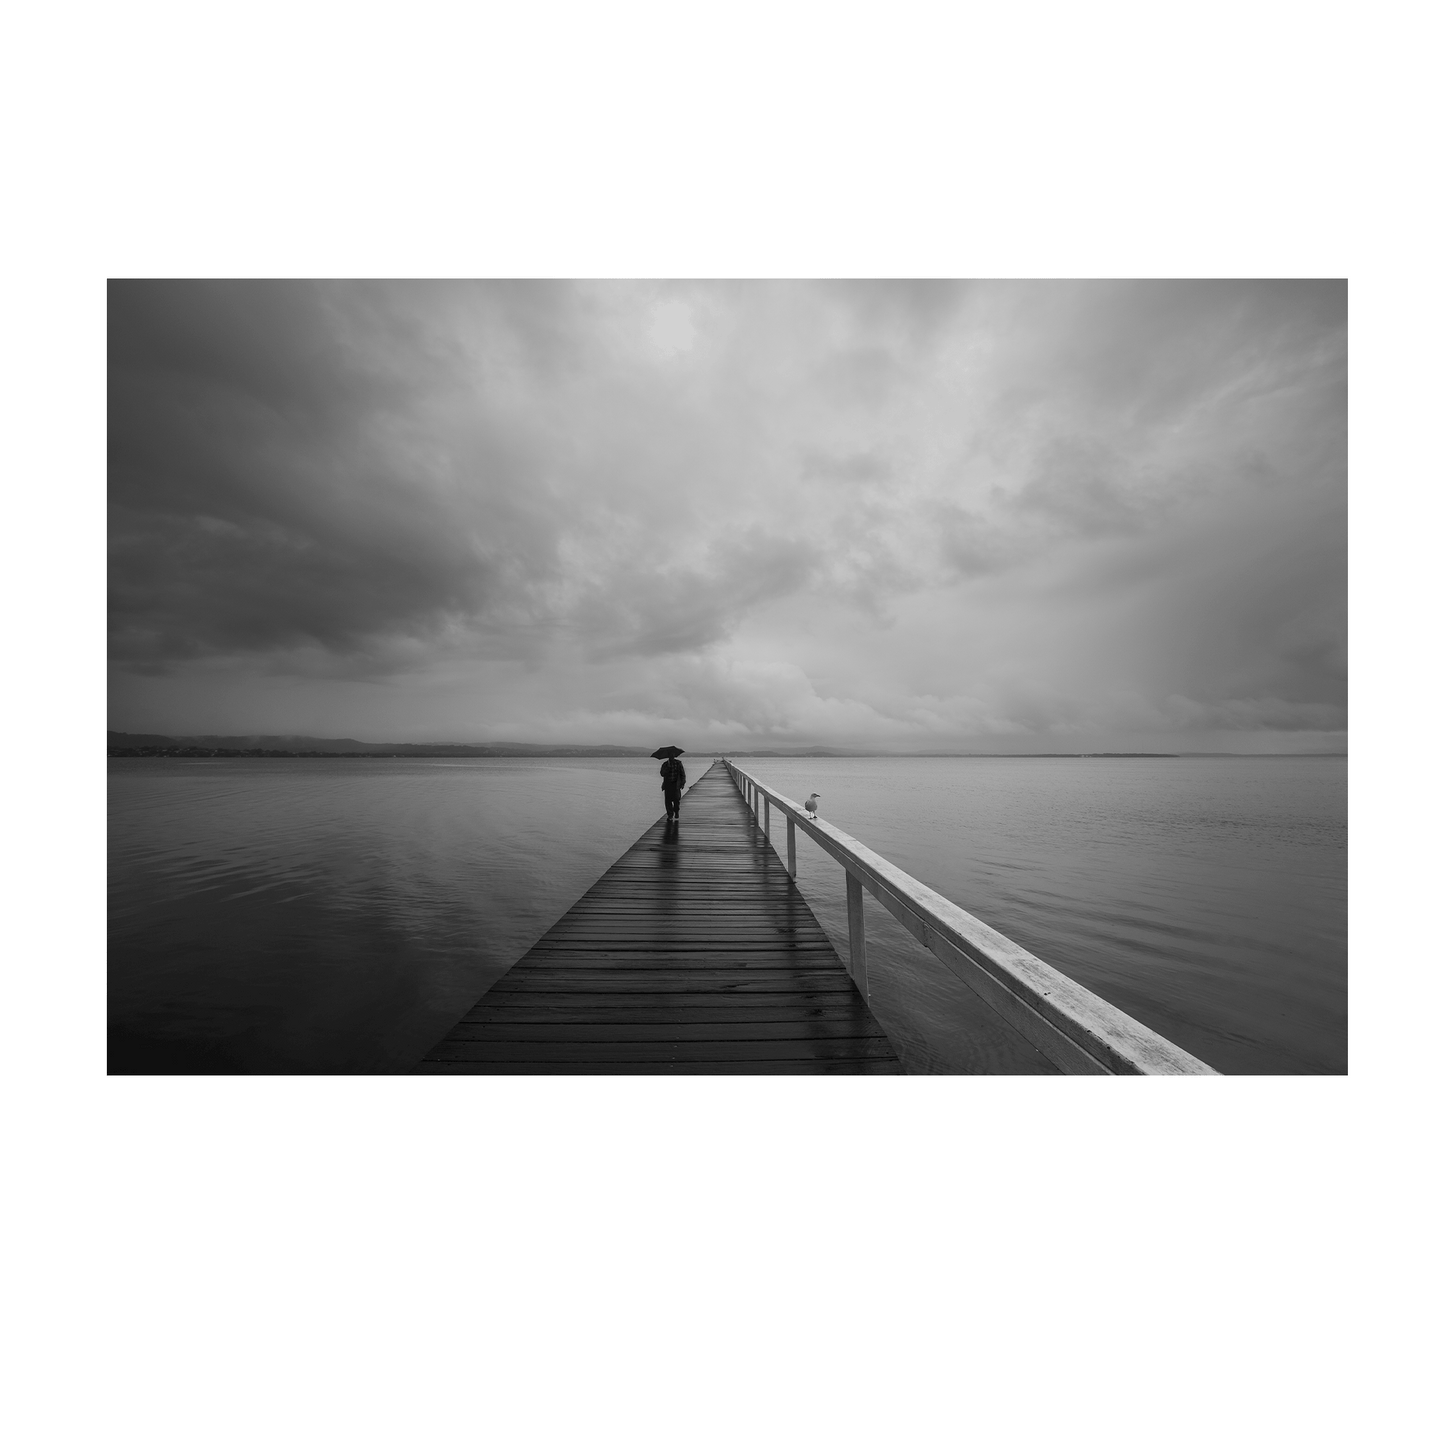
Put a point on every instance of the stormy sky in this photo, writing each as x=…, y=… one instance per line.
x=982, y=516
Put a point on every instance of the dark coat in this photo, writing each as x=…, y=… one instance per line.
x=674, y=775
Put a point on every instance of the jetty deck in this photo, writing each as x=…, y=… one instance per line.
x=695, y=953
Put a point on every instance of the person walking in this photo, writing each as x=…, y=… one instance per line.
x=674, y=780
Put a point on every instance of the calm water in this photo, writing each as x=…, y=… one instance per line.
x=296, y=915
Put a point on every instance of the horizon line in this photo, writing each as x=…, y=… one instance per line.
x=753, y=750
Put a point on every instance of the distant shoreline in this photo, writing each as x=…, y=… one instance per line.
x=154, y=745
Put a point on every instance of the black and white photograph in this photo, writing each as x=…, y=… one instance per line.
x=876, y=676
x=769, y=681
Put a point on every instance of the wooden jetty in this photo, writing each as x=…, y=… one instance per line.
x=695, y=953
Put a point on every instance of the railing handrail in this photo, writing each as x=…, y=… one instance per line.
x=1073, y=1028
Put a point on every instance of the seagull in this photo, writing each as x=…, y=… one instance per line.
x=810, y=804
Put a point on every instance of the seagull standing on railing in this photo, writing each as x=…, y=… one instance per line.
x=810, y=804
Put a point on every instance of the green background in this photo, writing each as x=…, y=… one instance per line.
x=708, y=1286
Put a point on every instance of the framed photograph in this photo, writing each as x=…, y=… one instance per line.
x=991, y=593
x=729, y=641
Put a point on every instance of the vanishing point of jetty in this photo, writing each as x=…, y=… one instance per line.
x=695, y=953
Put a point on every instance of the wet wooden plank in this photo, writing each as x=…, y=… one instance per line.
x=653, y=1000
x=648, y=980
x=700, y=1066
x=750, y=1013
x=641, y=1052
x=693, y=953
x=697, y=946
x=674, y=1029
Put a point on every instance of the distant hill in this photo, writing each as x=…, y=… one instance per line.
x=293, y=743
x=289, y=742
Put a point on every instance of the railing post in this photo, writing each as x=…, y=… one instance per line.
x=857, y=952
x=792, y=849
x=767, y=819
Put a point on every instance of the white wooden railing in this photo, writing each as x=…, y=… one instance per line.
x=1074, y=1029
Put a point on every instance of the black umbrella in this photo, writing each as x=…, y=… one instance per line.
x=669, y=752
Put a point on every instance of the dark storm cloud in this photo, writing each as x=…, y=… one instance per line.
x=299, y=465
x=252, y=499
x=853, y=512
x=269, y=487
